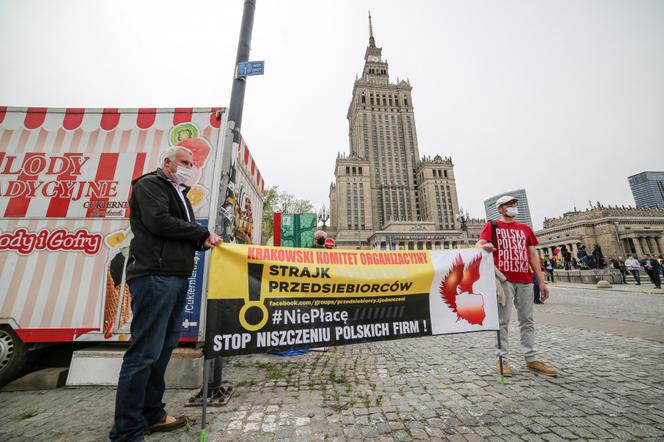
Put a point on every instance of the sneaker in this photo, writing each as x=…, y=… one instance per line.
x=507, y=370
x=542, y=368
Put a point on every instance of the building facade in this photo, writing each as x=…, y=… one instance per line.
x=619, y=231
x=648, y=189
x=522, y=204
x=385, y=195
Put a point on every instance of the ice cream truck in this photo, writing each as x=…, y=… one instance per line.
x=65, y=183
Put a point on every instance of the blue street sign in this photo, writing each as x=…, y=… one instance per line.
x=247, y=68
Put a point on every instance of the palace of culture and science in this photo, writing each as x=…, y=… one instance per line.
x=386, y=196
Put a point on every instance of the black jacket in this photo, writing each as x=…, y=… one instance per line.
x=164, y=241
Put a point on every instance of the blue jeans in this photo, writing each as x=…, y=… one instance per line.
x=158, y=308
x=637, y=275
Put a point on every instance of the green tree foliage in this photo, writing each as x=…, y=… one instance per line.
x=276, y=201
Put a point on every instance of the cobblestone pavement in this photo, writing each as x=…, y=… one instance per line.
x=437, y=388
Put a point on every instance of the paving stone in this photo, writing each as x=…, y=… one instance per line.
x=430, y=388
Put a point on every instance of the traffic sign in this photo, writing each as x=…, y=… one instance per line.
x=248, y=68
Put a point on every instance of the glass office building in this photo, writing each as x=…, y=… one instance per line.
x=522, y=204
x=648, y=189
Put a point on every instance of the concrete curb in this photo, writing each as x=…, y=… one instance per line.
x=615, y=288
x=46, y=379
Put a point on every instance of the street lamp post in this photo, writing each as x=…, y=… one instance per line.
x=463, y=219
x=323, y=216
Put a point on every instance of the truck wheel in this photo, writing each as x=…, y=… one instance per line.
x=13, y=355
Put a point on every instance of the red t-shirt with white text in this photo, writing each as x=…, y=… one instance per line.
x=511, y=256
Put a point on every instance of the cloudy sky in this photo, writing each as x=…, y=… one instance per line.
x=564, y=98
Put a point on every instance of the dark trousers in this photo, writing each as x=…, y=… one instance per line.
x=158, y=308
x=637, y=275
x=654, y=277
x=549, y=275
x=536, y=290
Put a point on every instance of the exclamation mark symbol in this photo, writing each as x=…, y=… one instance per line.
x=253, y=314
x=425, y=326
x=255, y=275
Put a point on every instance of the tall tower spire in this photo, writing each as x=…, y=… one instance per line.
x=372, y=41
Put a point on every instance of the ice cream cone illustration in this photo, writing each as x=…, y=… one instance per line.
x=114, y=239
x=196, y=195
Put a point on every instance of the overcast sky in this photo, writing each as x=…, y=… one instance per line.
x=564, y=98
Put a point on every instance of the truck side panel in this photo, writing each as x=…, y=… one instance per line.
x=64, y=186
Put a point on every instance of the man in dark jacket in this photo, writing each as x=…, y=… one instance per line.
x=160, y=262
x=652, y=267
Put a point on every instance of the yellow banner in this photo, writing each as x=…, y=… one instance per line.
x=267, y=298
x=288, y=273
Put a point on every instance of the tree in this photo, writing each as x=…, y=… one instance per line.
x=276, y=201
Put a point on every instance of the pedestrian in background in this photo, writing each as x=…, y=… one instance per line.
x=599, y=257
x=584, y=258
x=567, y=258
x=652, y=267
x=549, y=269
x=634, y=267
x=619, y=264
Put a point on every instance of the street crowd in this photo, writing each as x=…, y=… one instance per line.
x=563, y=259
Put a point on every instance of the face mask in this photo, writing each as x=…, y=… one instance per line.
x=321, y=241
x=512, y=212
x=182, y=175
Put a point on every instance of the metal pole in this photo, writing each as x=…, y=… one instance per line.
x=235, y=108
x=234, y=122
x=206, y=365
x=240, y=83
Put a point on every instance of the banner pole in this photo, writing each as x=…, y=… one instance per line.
x=206, y=369
x=500, y=359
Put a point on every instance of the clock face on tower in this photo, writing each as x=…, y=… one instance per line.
x=374, y=58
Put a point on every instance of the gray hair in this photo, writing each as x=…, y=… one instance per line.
x=172, y=151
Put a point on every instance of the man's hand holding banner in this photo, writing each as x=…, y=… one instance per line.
x=263, y=299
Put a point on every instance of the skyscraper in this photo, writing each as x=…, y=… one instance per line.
x=648, y=189
x=384, y=194
x=522, y=204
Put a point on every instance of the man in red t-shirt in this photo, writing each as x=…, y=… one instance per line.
x=514, y=255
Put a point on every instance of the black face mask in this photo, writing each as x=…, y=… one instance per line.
x=320, y=241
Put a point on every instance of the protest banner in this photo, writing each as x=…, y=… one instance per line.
x=263, y=299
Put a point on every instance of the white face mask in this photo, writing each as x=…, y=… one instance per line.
x=181, y=175
x=512, y=212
